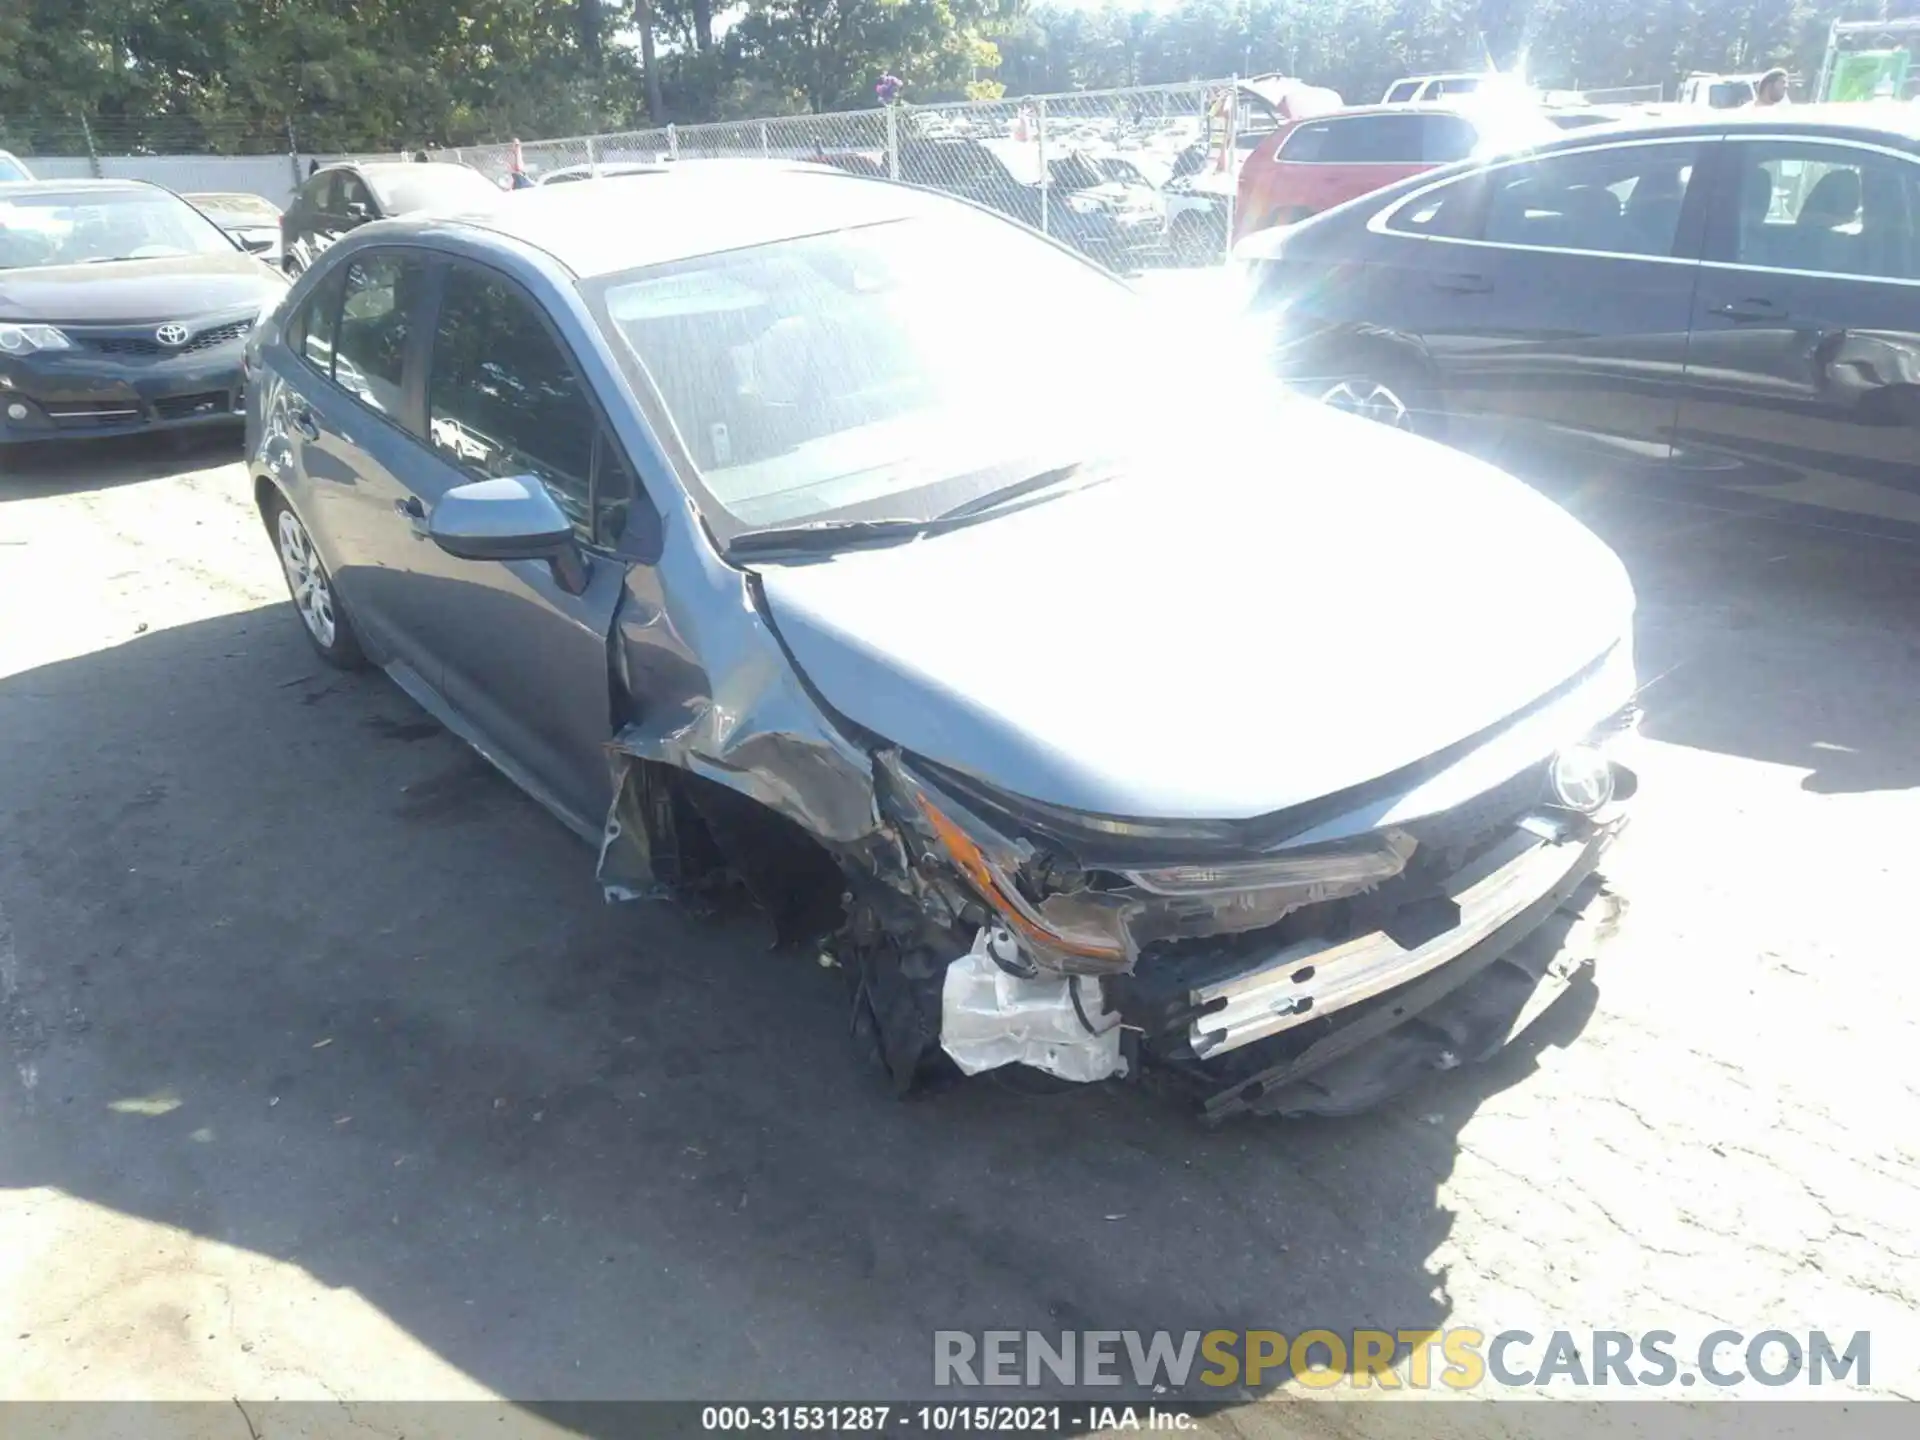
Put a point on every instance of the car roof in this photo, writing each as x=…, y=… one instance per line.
x=686, y=209
x=12, y=189
x=379, y=169
x=608, y=167
x=1469, y=106
x=1884, y=122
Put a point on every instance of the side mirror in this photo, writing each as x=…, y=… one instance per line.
x=359, y=210
x=257, y=244
x=510, y=519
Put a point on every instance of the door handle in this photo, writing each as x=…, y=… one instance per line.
x=1463, y=283
x=303, y=422
x=1751, y=308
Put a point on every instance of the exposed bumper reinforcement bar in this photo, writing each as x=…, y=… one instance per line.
x=1312, y=979
x=1464, y=1011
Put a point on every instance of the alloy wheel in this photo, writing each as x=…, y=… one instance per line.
x=307, y=580
x=1370, y=400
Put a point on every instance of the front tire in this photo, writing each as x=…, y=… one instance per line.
x=322, y=617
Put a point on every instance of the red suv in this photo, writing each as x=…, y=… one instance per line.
x=1314, y=164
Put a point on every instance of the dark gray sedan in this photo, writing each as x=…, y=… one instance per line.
x=827, y=538
x=122, y=310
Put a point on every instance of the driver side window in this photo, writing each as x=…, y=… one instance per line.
x=503, y=399
x=355, y=199
x=323, y=193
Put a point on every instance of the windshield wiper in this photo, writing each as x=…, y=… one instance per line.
x=823, y=535
x=1018, y=490
x=828, y=535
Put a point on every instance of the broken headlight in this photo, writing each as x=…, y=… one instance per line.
x=1093, y=934
x=1319, y=872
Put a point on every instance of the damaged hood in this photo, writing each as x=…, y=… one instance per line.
x=1227, y=627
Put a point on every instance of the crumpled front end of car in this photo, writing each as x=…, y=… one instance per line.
x=1312, y=960
x=1307, y=962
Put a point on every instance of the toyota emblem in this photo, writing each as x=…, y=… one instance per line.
x=171, y=334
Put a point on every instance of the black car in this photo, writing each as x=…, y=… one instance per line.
x=252, y=220
x=122, y=309
x=1727, y=307
x=339, y=198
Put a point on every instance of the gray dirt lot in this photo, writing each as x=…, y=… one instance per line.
x=328, y=1074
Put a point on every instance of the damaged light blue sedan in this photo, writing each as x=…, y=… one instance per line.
x=849, y=547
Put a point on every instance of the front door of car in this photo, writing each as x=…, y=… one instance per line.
x=1802, y=392
x=1556, y=300
x=352, y=206
x=522, y=657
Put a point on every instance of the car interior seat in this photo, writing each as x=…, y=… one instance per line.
x=1819, y=241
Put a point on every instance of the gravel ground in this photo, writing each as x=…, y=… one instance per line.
x=328, y=1074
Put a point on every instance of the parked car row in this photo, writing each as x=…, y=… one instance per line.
x=721, y=425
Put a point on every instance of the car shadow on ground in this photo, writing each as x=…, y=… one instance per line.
x=1786, y=644
x=373, y=1020
x=363, y=1010
x=71, y=467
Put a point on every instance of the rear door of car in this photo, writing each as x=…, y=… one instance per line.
x=351, y=415
x=1556, y=293
x=523, y=662
x=1802, y=388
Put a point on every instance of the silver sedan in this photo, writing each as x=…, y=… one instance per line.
x=847, y=545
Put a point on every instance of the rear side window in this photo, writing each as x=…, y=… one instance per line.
x=1448, y=210
x=1625, y=201
x=377, y=313
x=1405, y=139
x=314, y=326
x=1446, y=138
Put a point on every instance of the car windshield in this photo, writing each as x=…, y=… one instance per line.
x=237, y=209
x=98, y=226
x=431, y=187
x=12, y=169
x=891, y=371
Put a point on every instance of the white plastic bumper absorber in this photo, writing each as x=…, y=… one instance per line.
x=990, y=1018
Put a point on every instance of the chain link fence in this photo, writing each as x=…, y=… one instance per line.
x=1133, y=178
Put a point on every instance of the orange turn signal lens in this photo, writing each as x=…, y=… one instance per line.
x=1013, y=907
